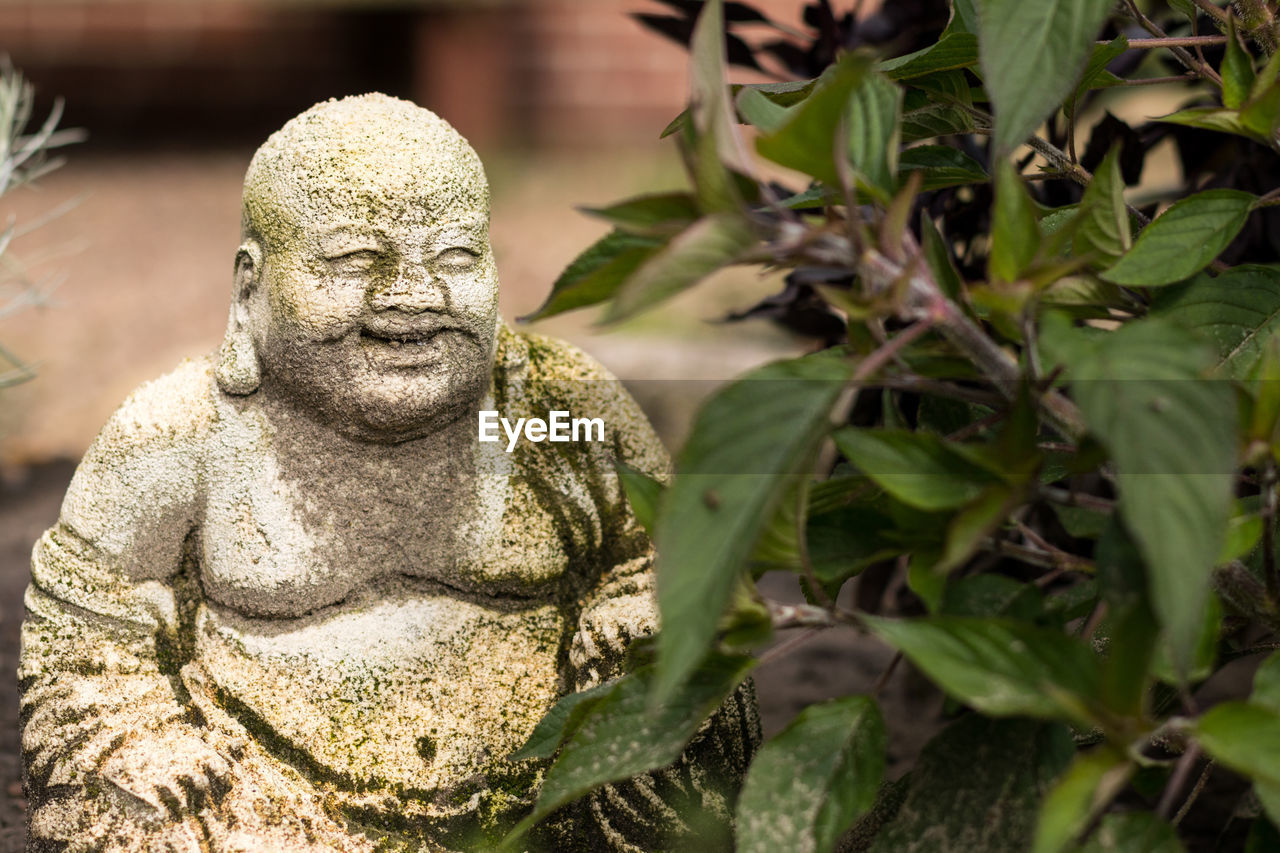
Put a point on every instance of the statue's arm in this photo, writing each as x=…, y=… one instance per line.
x=621, y=605
x=100, y=706
x=696, y=794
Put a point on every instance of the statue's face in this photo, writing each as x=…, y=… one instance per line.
x=377, y=308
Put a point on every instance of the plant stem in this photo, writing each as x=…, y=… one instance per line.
x=938, y=388
x=1179, y=778
x=802, y=547
x=1044, y=559
x=882, y=355
x=1189, y=41
x=886, y=675
x=877, y=359
x=1195, y=792
x=1214, y=11
x=970, y=430
x=1268, y=487
x=1070, y=498
x=1155, y=81
x=806, y=616
x=1184, y=57
x=786, y=646
x=1074, y=171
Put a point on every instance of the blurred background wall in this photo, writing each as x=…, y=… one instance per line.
x=564, y=99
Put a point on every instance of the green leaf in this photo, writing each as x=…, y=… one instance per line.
x=945, y=87
x=662, y=214
x=1096, y=75
x=1184, y=239
x=1243, y=532
x=991, y=595
x=1132, y=633
x=1172, y=436
x=816, y=196
x=1103, y=225
x=746, y=624
x=595, y=275
x=1032, y=52
x=750, y=440
x=872, y=129
x=1196, y=664
x=761, y=111
x=928, y=585
x=1133, y=832
x=844, y=541
x=1260, y=114
x=998, y=666
x=1088, y=786
x=807, y=142
x=558, y=723
x=1130, y=627
x=952, y=50
x=810, y=782
x=644, y=493
x=973, y=524
x=708, y=245
x=1263, y=837
x=1081, y=522
x=1015, y=234
x=918, y=469
x=930, y=119
x=709, y=140
x=977, y=787
x=1266, y=684
x=1213, y=118
x=937, y=255
x=964, y=16
x=1237, y=312
x=1245, y=736
x=711, y=112
x=943, y=166
x=620, y=735
x=1074, y=602
x=1237, y=70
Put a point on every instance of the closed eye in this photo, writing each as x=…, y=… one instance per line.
x=456, y=259
x=356, y=260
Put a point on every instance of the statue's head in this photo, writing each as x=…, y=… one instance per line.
x=365, y=289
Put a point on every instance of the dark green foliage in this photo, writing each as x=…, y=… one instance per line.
x=1051, y=419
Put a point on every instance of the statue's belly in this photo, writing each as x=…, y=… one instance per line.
x=413, y=693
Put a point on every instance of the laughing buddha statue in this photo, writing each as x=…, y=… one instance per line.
x=292, y=601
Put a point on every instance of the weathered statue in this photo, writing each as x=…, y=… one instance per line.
x=293, y=602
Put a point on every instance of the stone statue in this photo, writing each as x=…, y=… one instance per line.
x=292, y=601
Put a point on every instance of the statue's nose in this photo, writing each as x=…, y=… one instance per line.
x=414, y=290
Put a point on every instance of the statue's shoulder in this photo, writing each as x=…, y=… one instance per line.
x=558, y=375
x=179, y=406
x=550, y=359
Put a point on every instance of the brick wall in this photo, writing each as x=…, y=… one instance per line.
x=543, y=72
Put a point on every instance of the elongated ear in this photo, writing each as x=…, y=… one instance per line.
x=238, y=371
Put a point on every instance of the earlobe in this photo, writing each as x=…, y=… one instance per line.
x=248, y=270
x=238, y=371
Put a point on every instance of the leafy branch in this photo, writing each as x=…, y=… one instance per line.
x=1069, y=469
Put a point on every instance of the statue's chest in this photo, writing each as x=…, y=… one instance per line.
x=282, y=540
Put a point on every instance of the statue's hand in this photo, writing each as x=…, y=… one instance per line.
x=604, y=632
x=173, y=772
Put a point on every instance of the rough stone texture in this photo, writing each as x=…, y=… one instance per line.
x=291, y=602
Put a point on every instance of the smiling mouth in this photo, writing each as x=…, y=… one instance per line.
x=401, y=339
